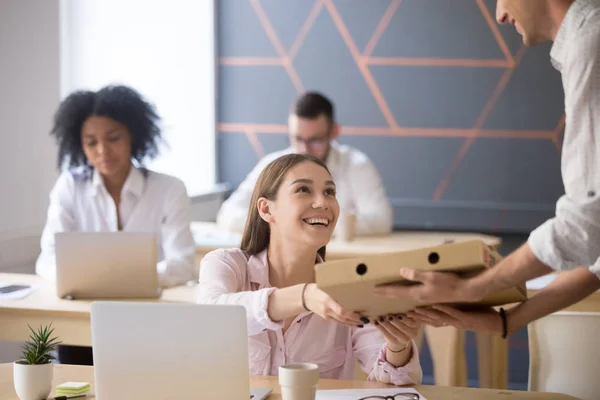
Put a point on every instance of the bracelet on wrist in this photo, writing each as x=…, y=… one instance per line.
x=504, y=323
x=303, y=300
x=401, y=350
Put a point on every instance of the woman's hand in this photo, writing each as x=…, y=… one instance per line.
x=398, y=330
x=324, y=306
x=485, y=320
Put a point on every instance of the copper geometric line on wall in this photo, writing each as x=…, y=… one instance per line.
x=477, y=128
x=364, y=59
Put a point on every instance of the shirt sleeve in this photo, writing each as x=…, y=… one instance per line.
x=572, y=237
x=369, y=350
x=177, y=242
x=222, y=275
x=374, y=213
x=234, y=211
x=60, y=218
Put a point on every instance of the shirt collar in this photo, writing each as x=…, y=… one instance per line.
x=333, y=158
x=134, y=184
x=258, y=268
x=575, y=16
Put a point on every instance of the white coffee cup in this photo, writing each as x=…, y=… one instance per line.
x=298, y=381
x=346, y=226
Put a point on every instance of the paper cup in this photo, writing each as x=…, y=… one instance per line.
x=347, y=226
x=298, y=381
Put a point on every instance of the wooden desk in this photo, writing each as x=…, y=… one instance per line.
x=71, y=318
x=64, y=373
x=208, y=237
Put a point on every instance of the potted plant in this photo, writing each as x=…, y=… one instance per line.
x=33, y=373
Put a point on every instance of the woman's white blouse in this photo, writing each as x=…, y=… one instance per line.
x=150, y=202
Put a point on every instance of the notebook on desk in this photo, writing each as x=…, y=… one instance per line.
x=171, y=351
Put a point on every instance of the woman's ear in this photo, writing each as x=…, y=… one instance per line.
x=264, y=210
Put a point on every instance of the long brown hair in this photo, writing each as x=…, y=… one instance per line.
x=257, y=233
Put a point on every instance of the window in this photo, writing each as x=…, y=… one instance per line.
x=166, y=51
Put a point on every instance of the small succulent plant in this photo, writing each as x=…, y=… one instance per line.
x=37, y=350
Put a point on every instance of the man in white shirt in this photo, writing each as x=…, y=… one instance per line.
x=313, y=130
x=569, y=240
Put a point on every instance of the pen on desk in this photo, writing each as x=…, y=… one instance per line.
x=70, y=397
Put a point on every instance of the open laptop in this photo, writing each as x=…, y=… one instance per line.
x=106, y=265
x=173, y=351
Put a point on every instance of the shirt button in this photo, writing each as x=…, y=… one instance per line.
x=591, y=193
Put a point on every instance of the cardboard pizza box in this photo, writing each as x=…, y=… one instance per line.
x=351, y=281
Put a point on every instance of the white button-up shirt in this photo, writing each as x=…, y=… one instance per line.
x=150, y=202
x=359, y=188
x=572, y=238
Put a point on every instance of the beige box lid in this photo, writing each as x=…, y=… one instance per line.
x=351, y=281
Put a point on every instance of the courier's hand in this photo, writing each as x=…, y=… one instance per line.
x=485, y=320
x=433, y=287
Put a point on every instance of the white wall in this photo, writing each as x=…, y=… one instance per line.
x=166, y=51
x=29, y=95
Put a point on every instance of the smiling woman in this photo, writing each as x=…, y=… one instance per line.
x=291, y=218
x=298, y=177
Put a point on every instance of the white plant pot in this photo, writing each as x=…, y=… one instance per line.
x=33, y=382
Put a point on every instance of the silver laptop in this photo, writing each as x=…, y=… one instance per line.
x=106, y=265
x=178, y=351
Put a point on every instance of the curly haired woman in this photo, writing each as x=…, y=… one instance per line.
x=104, y=137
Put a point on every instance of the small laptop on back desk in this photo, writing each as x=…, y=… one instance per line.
x=106, y=265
